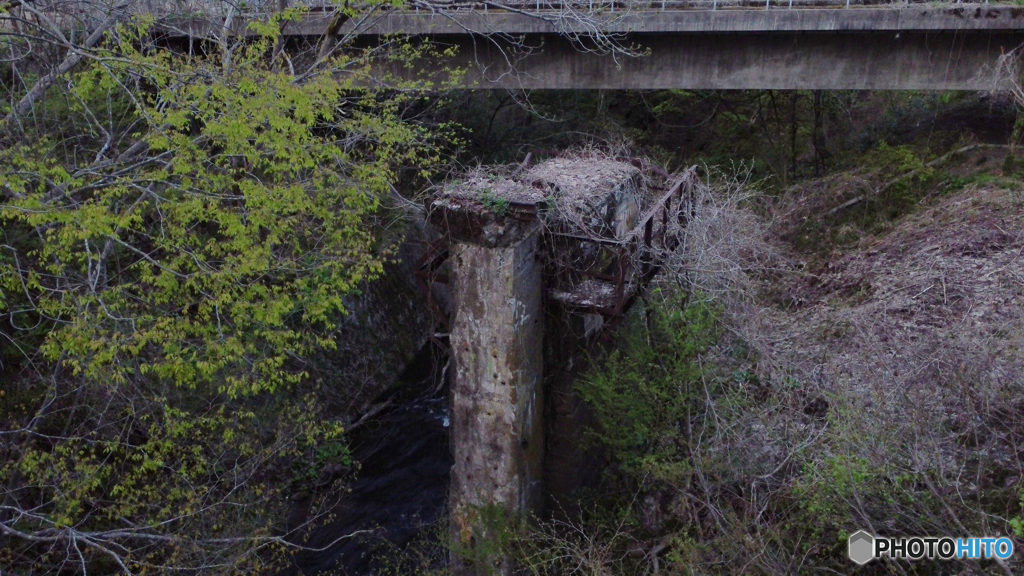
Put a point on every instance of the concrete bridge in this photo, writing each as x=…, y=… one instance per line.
x=642, y=46
x=682, y=44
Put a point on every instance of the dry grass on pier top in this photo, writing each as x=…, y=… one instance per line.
x=573, y=191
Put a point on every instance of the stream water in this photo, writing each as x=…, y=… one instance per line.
x=401, y=489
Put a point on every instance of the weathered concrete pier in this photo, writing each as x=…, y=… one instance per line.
x=547, y=254
x=497, y=430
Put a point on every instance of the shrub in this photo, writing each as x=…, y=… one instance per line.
x=645, y=391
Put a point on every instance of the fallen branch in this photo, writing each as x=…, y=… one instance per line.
x=373, y=411
x=524, y=165
x=884, y=186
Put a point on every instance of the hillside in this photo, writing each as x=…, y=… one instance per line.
x=826, y=372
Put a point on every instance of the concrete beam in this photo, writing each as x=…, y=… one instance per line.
x=910, y=48
x=827, y=49
x=784, y=61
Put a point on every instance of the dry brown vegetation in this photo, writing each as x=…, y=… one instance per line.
x=868, y=381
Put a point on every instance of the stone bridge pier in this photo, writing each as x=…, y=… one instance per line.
x=530, y=286
x=497, y=428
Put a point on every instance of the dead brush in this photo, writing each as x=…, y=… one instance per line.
x=589, y=200
x=923, y=378
x=725, y=254
x=901, y=411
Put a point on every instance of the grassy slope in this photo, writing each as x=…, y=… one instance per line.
x=905, y=317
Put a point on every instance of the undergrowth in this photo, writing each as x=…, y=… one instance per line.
x=648, y=385
x=889, y=183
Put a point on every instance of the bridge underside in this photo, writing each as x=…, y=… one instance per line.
x=885, y=60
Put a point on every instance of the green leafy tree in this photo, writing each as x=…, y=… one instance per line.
x=181, y=218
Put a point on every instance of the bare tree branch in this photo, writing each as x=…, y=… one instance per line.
x=74, y=56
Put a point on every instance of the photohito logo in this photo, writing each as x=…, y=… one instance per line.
x=863, y=547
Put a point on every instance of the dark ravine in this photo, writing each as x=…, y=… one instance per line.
x=400, y=490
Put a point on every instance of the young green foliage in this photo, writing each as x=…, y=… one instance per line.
x=180, y=227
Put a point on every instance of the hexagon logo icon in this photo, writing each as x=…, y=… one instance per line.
x=861, y=547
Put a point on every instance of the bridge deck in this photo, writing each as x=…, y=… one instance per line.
x=915, y=48
x=556, y=45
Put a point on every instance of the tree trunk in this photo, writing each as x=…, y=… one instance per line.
x=792, y=132
x=817, y=136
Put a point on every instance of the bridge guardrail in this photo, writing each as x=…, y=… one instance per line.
x=218, y=9
x=614, y=6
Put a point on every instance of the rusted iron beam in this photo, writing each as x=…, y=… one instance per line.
x=664, y=200
x=625, y=289
x=655, y=208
